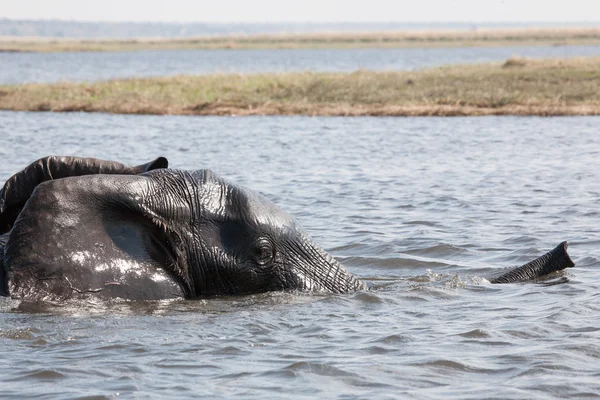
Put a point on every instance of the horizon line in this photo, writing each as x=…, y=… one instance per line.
x=307, y=22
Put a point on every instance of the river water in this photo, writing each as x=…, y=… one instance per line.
x=421, y=208
x=52, y=67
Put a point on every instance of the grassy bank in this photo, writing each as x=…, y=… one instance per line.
x=485, y=37
x=516, y=87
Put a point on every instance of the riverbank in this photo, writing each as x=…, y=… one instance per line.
x=515, y=87
x=480, y=37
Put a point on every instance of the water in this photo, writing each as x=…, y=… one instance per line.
x=421, y=208
x=77, y=29
x=91, y=66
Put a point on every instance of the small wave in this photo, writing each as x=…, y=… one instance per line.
x=439, y=250
x=475, y=333
x=229, y=350
x=460, y=366
x=41, y=375
x=422, y=223
x=19, y=334
x=368, y=297
x=392, y=339
x=317, y=368
x=393, y=262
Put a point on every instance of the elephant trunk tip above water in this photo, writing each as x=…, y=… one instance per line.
x=555, y=260
x=75, y=227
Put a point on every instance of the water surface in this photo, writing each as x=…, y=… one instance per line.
x=119, y=30
x=92, y=66
x=421, y=208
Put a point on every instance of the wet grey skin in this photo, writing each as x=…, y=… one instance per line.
x=75, y=228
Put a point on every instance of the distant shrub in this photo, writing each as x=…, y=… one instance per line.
x=515, y=62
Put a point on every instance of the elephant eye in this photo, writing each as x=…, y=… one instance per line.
x=263, y=252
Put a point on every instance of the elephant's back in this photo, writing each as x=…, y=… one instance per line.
x=3, y=274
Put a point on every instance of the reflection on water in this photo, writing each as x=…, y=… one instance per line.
x=90, y=66
x=421, y=208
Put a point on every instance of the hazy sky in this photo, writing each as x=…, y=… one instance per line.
x=304, y=10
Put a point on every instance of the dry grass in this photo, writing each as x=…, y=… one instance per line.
x=481, y=37
x=526, y=87
x=515, y=62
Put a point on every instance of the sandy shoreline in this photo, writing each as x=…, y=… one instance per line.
x=480, y=37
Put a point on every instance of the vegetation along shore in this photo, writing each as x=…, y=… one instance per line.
x=516, y=87
x=433, y=38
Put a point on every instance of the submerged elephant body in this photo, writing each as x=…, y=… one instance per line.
x=74, y=228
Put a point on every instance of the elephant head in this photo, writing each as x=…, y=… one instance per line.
x=161, y=233
x=75, y=227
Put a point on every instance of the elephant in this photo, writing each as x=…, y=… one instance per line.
x=79, y=228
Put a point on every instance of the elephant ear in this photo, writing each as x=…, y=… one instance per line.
x=19, y=187
x=91, y=235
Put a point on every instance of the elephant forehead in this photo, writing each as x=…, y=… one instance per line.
x=256, y=208
x=222, y=200
x=213, y=198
